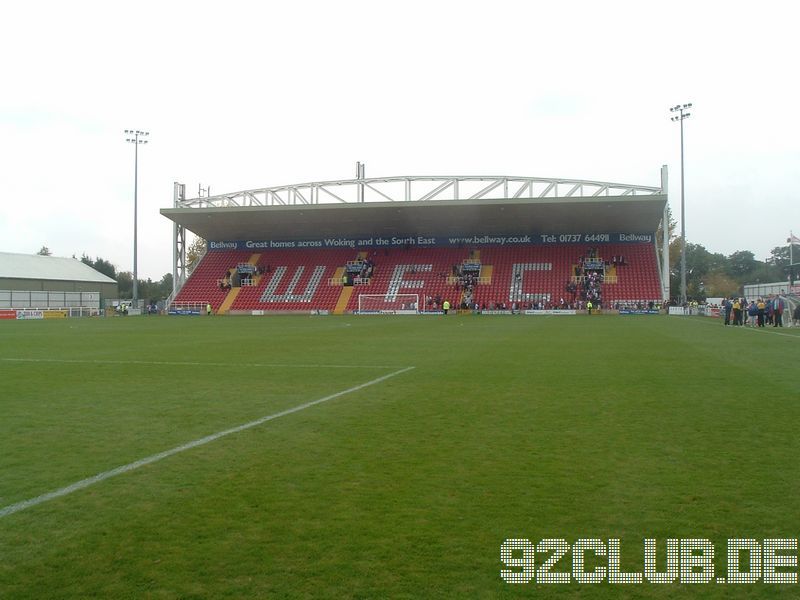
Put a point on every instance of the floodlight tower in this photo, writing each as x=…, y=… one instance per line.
x=682, y=110
x=136, y=137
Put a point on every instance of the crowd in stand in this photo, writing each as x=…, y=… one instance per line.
x=756, y=313
x=583, y=290
x=358, y=272
x=593, y=255
x=433, y=302
x=466, y=277
x=367, y=267
x=640, y=305
x=242, y=275
x=618, y=261
x=591, y=288
x=586, y=286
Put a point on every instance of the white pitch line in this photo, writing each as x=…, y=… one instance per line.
x=766, y=329
x=84, y=483
x=771, y=330
x=194, y=364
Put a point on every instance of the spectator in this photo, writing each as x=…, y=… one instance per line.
x=752, y=313
x=778, y=306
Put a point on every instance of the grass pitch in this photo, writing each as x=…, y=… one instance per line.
x=507, y=427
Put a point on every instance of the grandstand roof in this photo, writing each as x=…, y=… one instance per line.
x=601, y=214
x=35, y=266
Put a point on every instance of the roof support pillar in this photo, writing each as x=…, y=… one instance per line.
x=178, y=242
x=665, y=241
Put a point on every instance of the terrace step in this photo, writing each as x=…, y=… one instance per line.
x=344, y=299
x=233, y=293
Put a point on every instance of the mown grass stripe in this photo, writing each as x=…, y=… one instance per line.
x=84, y=483
x=169, y=363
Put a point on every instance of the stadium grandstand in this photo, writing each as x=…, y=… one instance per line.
x=407, y=244
x=50, y=286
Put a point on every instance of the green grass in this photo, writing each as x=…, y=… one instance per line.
x=508, y=427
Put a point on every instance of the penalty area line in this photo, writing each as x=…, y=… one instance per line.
x=84, y=483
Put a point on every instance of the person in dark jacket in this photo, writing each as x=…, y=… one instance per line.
x=778, y=305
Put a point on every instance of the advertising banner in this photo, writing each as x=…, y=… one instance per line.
x=55, y=314
x=435, y=241
x=183, y=311
x=23, y=315
x=8, y=314
x=567, y=312
x=637, y=311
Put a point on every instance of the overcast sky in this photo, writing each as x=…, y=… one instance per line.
x=240, y=95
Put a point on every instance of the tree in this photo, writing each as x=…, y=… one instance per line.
x=125, y=284
x=713, y=274
x=197, y=250
x=742, y=265
x=779, y=260
x=101, y=265
x=165, y=285
x=156, y=290
x=675, y=267
x=720, y=285
x=672, y=229
x=700, y=265
x=44, y=251
x=148, y=289
x=779, y=255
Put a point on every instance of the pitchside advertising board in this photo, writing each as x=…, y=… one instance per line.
x=421, y=241
x=184, y=311
x=32, y=315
